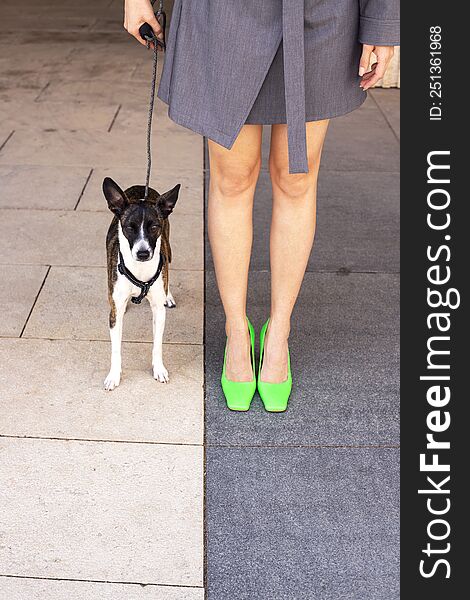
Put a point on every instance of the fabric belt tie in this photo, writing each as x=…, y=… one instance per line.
x=294, y=83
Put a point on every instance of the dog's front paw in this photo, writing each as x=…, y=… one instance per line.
x=112, y=381
x=170, y=301
x=160, y=373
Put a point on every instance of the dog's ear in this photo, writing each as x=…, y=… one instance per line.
x=166, y=202
x=116, y=198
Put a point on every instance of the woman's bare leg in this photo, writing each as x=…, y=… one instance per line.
x=292, y=233
x=233, y=177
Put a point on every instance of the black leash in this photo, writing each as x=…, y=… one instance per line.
x=143, y=285
x=147, y=33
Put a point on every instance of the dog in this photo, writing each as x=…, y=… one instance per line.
x=138, y=258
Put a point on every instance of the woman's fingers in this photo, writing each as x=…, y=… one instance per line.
x=384, y=55
x=157, y=30
x=365, y=59
x=138, y=12
x=370, y=73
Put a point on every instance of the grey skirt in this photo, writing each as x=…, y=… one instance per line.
x=273, y=61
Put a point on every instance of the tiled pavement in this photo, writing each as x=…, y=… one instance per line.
x=102, y=495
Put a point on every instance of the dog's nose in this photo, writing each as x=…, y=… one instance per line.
x=143, y=255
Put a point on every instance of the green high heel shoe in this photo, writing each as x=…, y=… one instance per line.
x=275, y=396
x=239, y=394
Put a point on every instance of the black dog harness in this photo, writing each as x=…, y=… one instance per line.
x=143, y=285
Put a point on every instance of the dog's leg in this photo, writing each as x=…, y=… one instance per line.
x=159, y=315
x=115, y=332
x=170, y=301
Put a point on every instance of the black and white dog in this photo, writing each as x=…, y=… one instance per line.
x=138, y=257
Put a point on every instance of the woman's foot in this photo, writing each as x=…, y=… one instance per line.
x=238, y=365
x=275, y=359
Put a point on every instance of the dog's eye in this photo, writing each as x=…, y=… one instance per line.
x=153, y=227
x=129, y=229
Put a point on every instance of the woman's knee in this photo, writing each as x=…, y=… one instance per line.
x=295, y=186
x=232, y=180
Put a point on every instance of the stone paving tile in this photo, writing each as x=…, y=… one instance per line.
x=302, y=523
x=344, y=348
x=107, y=48
x=5, y=134
x=27, y=89
x=91, y=90
x=53, y=116
x=357, y=223
x=190, y=199
x=143, y=72
x=112, y=70
x=91, y=4
x=78, y=238
x=29, y=65
x=73, y=305
x=10, y=49
x=108, y=25
x=36, y=589
x=389, y=103
x=361, y=141
x=71, y=402
x=33, y=22
x=95, y=149
x=132, y=118
x=20, y=286
x=41, y=187
x=101, y=511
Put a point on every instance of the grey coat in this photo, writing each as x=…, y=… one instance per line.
x=231, y=62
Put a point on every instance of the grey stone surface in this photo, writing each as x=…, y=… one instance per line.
x=389, y=103
x=92, y=148
x=5, y=134
x=40, y=589
x=41, y=187
x=361, y=141
x=309, y=524
x=16, y=88
x=53, y=116
x=344, y=351
x=101, y=511
x=93, y=90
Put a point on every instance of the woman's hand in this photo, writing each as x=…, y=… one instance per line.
x=138, y=12
x=384, y=56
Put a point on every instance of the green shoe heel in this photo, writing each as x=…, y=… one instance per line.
x=275, y=396
x=239, y=394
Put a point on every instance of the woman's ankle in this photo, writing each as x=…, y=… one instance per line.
x=279, y=327
x=236, y=326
